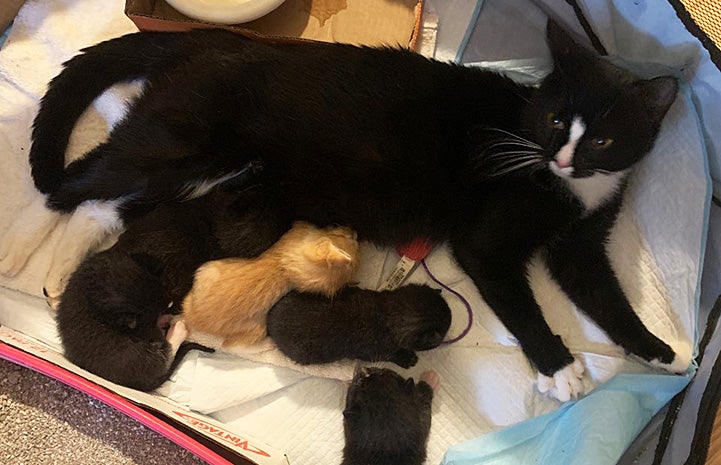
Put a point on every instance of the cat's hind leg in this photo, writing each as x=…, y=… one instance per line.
x=89, y=226
x=25, y=235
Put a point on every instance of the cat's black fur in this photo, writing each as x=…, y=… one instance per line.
x=110, y=318
x=392, y=144
x=360, y=324
x=387, y=419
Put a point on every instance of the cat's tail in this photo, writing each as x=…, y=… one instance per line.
x=89, y=74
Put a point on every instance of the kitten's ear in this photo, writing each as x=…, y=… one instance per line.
x=334, y=255
x=409, y=386
x=657, y=95
x=151, y=264
x=350, y=413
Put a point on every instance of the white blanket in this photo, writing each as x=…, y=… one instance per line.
x=486, y=382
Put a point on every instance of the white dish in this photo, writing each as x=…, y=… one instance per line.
x=225, y=11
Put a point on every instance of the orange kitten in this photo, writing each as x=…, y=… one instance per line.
x=230, y=298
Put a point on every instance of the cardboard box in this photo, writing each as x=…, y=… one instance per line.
x=200, y=434
x=360, y=22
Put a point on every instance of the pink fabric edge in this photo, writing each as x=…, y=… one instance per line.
x=115, y=401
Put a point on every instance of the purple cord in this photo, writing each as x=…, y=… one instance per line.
x=462, y=299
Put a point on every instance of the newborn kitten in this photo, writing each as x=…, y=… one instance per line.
x=360, y=324
x=387, y=418
x=230, y=298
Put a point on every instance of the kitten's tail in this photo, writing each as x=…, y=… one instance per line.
x=89, y=74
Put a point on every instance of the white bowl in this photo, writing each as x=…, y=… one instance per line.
x=225, y=11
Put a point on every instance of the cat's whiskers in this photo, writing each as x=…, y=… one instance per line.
x=515, y=160
x=501, y=155
x=514, y=136
x=511, y=143
x=515, y=167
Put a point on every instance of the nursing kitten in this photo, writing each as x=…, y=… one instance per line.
x=116, y=309
x=230, y=298
x=360, y=324
x=387, y=418
x=391, y=144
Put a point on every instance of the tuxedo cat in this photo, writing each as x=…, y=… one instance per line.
x=391, y=144
x=387, y=418
x=360, y=324
x=230, y=298
x=116, y=310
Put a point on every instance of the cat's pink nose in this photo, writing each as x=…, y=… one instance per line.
x=563, y=163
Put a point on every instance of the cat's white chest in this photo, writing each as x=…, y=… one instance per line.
x=593, y=191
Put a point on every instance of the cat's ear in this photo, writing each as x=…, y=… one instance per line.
x=563, y=46
x=149, y=263
x=334, y=256
x=568, y=54
x=657, y=95
x=350, y=413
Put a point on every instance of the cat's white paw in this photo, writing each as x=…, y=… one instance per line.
x=53, y=302
x=90, y=224
x=682, y=360
x=565, y=384
x=62, y=267
x=25, y=236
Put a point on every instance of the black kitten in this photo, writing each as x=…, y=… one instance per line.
x=387, y=418
x=360, y=324
x=116, y=309
x=390, y=144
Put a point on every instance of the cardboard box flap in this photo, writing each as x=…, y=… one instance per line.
x=361, y=22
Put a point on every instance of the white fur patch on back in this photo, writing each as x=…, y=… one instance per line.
x=594, y=190
x=200, y=188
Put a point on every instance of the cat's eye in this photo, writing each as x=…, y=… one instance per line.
x=553, y=121
x=601, y=143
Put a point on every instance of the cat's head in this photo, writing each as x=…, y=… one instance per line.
x=130, y=297
x=418, y=316
x=591, y=117
x=385, y=412
x=319, y=260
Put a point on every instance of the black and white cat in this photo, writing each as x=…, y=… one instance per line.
x=387, y=142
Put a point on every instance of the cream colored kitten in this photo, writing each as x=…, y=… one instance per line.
x=230, y=298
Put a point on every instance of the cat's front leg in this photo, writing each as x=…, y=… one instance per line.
x=581, y=267
x=504, y=286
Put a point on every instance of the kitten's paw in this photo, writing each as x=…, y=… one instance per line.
x=680, y=362
x=177, y=333
x=565, y=384
x=431, y=378
x=25, y=236
x=405, y=358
